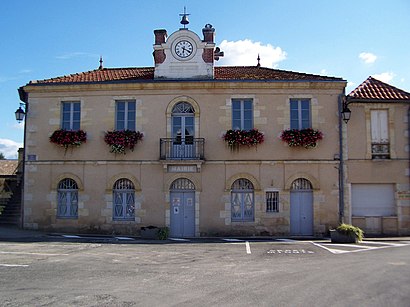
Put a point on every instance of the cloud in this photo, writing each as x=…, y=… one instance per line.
x=245, y=53
x=9, y=148
x=367, y=57
x=350, y=84
x=70, y=55
x=385, y=76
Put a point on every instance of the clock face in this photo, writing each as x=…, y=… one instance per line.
x=184, y=49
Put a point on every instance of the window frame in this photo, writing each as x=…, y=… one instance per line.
x=274, y=206
x=127, y=121
x=125, y=193
x=243, y=111
x=379, y=134
x=73, y=201
x=242, y=193
x=71, y=123
x=300, y=118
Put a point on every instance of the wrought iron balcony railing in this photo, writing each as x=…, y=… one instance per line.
x=182, y=148
x=380, y=151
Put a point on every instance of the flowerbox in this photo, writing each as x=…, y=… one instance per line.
x=119, y=140
x=235, y=138
x=307, y=138
x=67, y=138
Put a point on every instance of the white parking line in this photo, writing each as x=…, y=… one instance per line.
x=179, y=239
x=125, y=238
x=248, y=247
x=232, y=240
x=35, y=254
x=14, y=265
x=71, y=236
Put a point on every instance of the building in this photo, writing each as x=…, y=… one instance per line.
x=378, y=158
x=208, y=157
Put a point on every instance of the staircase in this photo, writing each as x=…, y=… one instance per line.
x=10, y=202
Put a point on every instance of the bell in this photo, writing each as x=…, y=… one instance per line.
x=184, y=20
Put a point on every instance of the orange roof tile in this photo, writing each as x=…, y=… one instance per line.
x=8, y=167
x=373, y=89
x=221, y=73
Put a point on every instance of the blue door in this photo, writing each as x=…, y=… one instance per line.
x=301, y=213
x=182, y=214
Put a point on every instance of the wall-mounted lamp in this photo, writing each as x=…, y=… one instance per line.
x=20, y=113
x=346, y=113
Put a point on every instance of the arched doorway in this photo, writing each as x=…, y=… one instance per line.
x=183, y=130
x=301, y=208
x=182, y=205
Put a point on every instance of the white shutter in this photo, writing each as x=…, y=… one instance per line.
x=384, y=136
x=379, y=126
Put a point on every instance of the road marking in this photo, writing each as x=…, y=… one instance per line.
x=358, y=248
x=125, y=238
x=232, y=240
x=248, y=247
x=179, y=239
x=14, y=265
x=71, y=236
x=34, y=254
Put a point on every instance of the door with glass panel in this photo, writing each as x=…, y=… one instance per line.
x=183, y=131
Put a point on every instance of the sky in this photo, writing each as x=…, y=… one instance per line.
x=352, y=39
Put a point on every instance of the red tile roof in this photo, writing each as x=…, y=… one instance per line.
x=373, y=89
x=221, y=73
x=8, y=167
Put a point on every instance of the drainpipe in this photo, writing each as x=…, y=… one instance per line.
x=341, y=159
x=24, y=98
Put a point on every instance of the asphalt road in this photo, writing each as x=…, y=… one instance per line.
x=225, y=273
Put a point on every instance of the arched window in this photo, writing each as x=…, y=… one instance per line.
x=301, y=184
x=183, y=123
x=67, y=199
x=242, y=201
x=124, y=200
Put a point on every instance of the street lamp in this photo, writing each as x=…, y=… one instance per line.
x=346, y=113
x=20, y=113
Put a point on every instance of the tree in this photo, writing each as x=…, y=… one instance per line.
x=2, y=157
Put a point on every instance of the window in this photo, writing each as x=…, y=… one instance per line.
x=380, y=135
x=125, y=112
x=242, y=201
x=272, y=201
x=71, y=115
x=242, y=114
x=124, y=196
x=300, y=117
x=67, y=195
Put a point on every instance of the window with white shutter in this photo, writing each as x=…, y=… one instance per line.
x=380, y=134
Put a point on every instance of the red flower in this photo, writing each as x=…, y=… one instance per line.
x=119, y=140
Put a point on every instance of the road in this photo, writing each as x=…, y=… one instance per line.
x=220, y=273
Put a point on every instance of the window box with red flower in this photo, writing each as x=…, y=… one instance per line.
x=66, y=138
x=119, y=140
x=235, y=138
x=307, y=138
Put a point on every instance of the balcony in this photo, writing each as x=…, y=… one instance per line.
x=182, y=149
x=380, y=151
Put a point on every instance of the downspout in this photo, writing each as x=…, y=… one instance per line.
x=341, y=159
x=24, y=98
x=408, y=134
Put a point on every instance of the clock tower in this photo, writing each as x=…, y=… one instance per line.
x=183, y=55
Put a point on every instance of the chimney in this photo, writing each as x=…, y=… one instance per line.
x=159, y=53
x=160, y=36
x=209, y=33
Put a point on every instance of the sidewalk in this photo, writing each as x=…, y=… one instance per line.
x=13, y=233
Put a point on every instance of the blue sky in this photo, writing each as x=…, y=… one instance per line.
x=352, y=39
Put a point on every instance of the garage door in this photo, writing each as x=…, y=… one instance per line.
x=373, y=200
